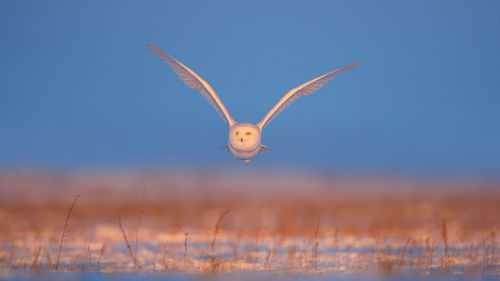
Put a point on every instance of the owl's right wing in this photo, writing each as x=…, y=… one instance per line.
x=194, y=81
x=302, y=90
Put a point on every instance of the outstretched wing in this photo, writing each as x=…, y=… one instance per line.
x=302, y=90
x=194, y=81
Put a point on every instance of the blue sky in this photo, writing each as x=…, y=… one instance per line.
x=80, y=91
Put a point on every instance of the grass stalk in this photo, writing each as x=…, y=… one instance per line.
x=64, y=233
x=186, y=234
x=217, y=229
x=101, y=254
x=315, y=249
x=130, y=253
x=138, y=225
x=38, y=250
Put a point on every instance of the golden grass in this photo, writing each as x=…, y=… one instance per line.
x=419, y=233
x=217, y=229
x=64, y=233
x=131, y=255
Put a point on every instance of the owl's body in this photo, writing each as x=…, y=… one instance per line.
x=244, y=140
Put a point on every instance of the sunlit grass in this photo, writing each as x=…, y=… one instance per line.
x=422, y=232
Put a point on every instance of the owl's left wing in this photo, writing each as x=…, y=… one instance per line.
x=194, y=81
x=302, y=90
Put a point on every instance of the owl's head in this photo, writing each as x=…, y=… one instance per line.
x=244, y=136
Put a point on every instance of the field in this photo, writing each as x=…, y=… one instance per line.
x=284, y=225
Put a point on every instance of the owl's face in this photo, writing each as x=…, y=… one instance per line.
x=244, y=136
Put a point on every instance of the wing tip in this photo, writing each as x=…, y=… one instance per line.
x=151, y=46
x=353, y=65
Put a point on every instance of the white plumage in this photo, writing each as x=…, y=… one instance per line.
x=244, y=140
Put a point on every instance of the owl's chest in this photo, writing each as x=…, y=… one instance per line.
x=243, y=153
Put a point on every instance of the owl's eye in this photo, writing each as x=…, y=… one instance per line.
x=237, y=133
x=248, y=133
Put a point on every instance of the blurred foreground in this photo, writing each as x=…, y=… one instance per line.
x=203, y=223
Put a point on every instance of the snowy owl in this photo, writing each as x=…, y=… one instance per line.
x=244, y=140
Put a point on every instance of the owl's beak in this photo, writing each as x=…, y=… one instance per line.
x=241, y=139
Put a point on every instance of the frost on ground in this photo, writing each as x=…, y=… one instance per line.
x=184, y=225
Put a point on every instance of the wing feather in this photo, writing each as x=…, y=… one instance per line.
x=302, y=90
x=194, y=81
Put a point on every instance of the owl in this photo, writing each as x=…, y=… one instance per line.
x=244, y=140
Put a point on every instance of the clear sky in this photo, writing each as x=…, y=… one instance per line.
x=79, y=89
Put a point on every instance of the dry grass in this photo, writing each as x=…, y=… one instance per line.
x=314, y=259
x=64, y=232
x=421, y=233
x=124, y=234
x=217, y=229
x=37, y=256
x=186, y=235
